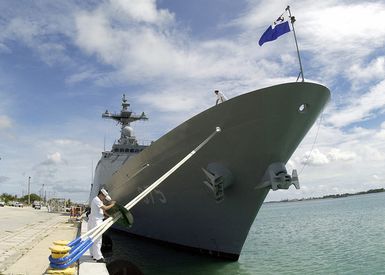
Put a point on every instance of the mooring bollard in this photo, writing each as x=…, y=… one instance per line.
x=60, y=252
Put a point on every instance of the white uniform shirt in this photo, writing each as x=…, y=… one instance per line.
x=221, y=97
x=96, y=210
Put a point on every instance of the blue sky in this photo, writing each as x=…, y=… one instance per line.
x=63, y=63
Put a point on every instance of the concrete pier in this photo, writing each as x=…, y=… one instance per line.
x=86, y=264
x=26, y=235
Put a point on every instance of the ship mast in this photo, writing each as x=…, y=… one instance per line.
x=125, y=117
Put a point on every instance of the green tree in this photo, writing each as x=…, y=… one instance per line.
x=33, y=197
x=7, y=197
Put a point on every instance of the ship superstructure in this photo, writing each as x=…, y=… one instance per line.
x=122, y=149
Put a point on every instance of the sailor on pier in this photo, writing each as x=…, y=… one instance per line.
x=96, y=218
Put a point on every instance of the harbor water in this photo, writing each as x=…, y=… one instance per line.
x=328, y=236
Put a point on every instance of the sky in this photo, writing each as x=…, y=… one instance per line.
x=63, y=63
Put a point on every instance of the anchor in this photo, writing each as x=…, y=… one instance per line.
x=276, y=177
x=218, y=178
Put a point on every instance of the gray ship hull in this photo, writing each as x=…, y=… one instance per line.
x=258, y=128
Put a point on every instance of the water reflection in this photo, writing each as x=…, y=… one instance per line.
x=154, y=258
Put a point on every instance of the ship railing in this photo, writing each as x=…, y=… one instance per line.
x=140, y=142
x=145, y=142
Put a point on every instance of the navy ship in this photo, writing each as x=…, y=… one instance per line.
x=211, y=201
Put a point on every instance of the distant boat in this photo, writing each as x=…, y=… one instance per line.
x=210, y=202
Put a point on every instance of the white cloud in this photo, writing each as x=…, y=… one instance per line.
x=347, y=31
x=4, y=48
x=21, y=29
x=142, y=11
x=369, y=151
x=69, y=188
x=170, y=102
x=342, y=162
x=360, y=108
x=365, y=73
x=68, y=162
x=164, y=54
x=381, y=133
x=40, y=26
x=69, y=142
x=315, y=157
x=343, y=26
x=83, y=74
x=3, y=179
x=5, y=122
x=330, y=25
x=55, y=157
x=112, y=32
x=337, y=154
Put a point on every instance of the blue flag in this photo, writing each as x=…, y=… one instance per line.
x=278, y=28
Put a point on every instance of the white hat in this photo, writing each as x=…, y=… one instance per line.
x=105, y=193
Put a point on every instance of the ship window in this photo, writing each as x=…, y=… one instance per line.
x=303, y=108
x=127, y=150
x=131, y=150
x=121, y=150
x=116, y=150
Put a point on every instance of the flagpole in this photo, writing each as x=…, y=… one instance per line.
x=292, y=20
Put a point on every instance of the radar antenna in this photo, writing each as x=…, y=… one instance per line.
x=125, y=117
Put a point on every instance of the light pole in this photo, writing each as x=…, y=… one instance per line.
x=29, y=194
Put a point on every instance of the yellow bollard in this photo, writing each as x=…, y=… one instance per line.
x=61, y=242
x=67, y=271
x=59, y=251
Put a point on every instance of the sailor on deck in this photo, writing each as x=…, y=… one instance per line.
x=220, y=97
x=96, y=218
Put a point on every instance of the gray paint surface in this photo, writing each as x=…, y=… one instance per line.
x=258, y=128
